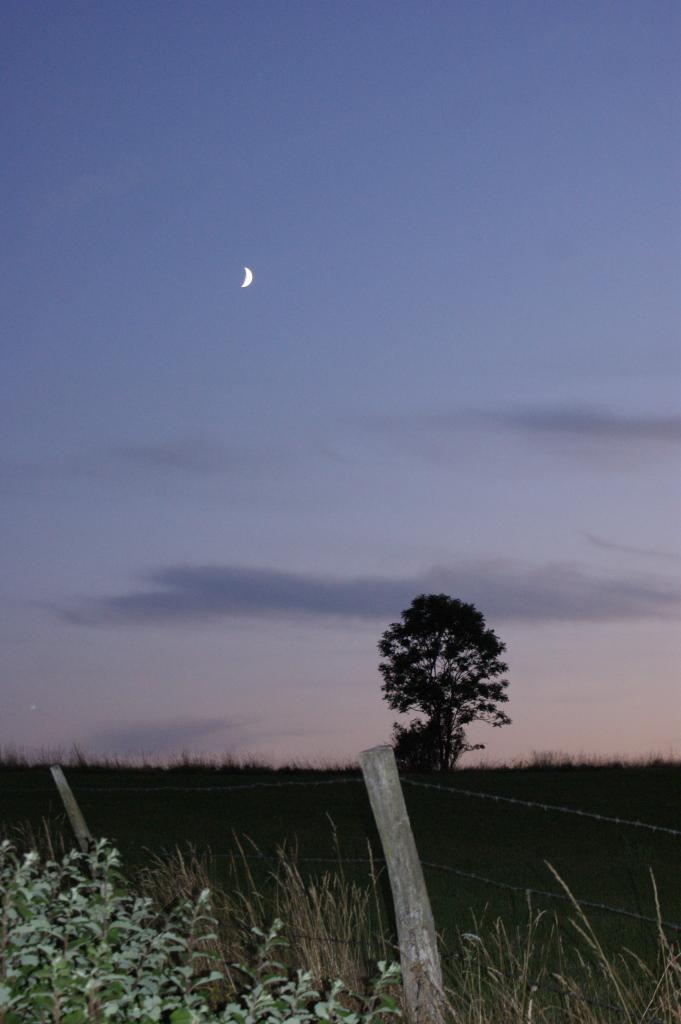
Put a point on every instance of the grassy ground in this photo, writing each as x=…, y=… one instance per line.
x=600, y=862
x=539, y=960
x=335, y=929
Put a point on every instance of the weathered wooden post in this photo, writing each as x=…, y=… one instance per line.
x=421, y=970
x=81, y=831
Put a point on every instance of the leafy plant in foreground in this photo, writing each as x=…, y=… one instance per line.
x=76, y=947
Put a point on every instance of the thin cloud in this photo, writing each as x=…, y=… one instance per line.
x=163, y=737
x=188, y=455
x=179, y=457
x=566, y=421
x=666, y=556
x=503, y=590
x=592, y=424
x=597, y=438
x=178, y=734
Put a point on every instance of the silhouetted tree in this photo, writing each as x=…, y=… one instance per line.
x=443, y=662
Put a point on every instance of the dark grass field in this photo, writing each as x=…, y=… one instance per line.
x=599, y=861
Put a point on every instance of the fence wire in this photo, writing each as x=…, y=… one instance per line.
x=456, y=790
x=524, y=889
x=544, y=807
x=451, y=790
x=186, y=789
x=446, y=954
x=552, y=895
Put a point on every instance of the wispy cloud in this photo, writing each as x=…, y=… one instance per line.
x=591, y=424
x=548, y=422
x=666, y=556
x=188, y=733
x=179, y=457
x=597, y=437
x=503, y=590
x=186, y=455
x=163, y=737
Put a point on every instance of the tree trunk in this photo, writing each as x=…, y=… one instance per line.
x=447, y=753
x=438, y=730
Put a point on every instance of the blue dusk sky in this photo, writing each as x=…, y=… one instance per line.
x=457, y=368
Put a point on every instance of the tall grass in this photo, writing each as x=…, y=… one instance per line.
x=333, y=926
x=538, y=973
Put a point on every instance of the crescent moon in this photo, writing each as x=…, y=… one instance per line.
x=248, y=277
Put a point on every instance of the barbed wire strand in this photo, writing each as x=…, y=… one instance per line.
x=444, y=953
x=335, y=781
x=183, y=789
x=442, y=867
x=545, y=807
x=332, y=782
x=447, y=955
x=464, y=874
x=553, y=895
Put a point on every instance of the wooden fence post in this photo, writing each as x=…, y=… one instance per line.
x=81, y=831
x=421, y=970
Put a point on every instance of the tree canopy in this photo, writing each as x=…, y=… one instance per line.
x=442, y=662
